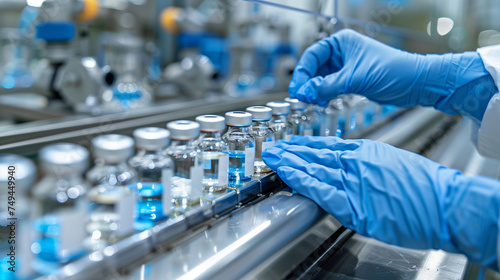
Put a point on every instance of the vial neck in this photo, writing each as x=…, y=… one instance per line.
x=260, y=123
x=144, y=152
x=212, y=134
x=241, y=129
x=279, y=118
x=182, y=142
x=297, y=113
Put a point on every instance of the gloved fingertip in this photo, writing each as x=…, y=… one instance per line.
x=284, y=171
x=307, y=93
x=272, y=157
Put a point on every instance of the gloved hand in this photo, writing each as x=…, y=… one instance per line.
x=348, y=62
x=393, y=195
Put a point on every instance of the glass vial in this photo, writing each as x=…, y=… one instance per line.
x=124, y=54
x=300, y=123
x=113, y=193
x=215, y=153
x=16, y=179
x=61, y=204
x=241, y=145
x=314, y=114
x=154, y=173
x=338, y=116
x=263, y=134
x=188, y=164
x=279, y=123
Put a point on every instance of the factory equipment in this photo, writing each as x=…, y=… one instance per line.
x=228, y=216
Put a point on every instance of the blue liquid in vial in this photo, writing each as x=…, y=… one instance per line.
x=340, y=127
x=237, y=166
x=49, y=244
x=368, y=117
x=316, y=130
x=149, y=202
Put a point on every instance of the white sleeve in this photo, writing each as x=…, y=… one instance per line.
x=487, y=136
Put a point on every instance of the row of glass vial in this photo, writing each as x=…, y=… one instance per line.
x=345, y=115
x=143, y=186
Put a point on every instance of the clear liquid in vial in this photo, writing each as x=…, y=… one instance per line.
x=182, y=193
x=106, y=224
x=211, y=181
x=259, y=165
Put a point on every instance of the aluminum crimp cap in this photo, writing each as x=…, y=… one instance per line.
x=23, y=171
x=296, y=104
x=211, y=123
x=238, y=118
x=113, y=148
x=151, y=138
x=183, y=130
x=260, y=113
x=279, y=108
x=64, y=158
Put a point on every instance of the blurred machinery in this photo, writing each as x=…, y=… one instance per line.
x=76, y=70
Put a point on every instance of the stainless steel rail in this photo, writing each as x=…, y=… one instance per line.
x=27, y=139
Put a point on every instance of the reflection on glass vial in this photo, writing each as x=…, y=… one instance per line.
x=61, y=202
x=279, y=123
x=188, y=164
x=113, y=194
x=112, y=214
x=215, y=153
x=241, y=145
x=340, y=112
x=124, y=54
x=314, y=114
x=154, y=169
x=24, y=171
x=263, y=134
x=300, y=123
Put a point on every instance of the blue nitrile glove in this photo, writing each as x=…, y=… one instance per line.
x=393, y=195
x=349, y=62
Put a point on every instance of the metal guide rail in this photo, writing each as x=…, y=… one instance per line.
x=141, y=245
x=126, y=258
x=27, y=138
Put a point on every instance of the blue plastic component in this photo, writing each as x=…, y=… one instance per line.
x=56, y=31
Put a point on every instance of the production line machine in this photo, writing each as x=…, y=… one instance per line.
x=261, y=230
x=85, y=85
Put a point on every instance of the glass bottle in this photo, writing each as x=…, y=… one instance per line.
x=263, y=134
x=340, y=113
x=15, y=56
x=188, y=164
x=314, y=114
x=300, y=123
x=16, y=180
x=124, y=54
x=215, y=153
x=62, y=205
x=113, y=193
x=279, y=123
x=241, y=145
x=154, y=173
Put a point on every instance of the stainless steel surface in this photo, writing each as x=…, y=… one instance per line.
x=281, y=263
x=231, y=248
x=456, y=150
x=28, y=138
x=142, y=246
x=365, y=258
